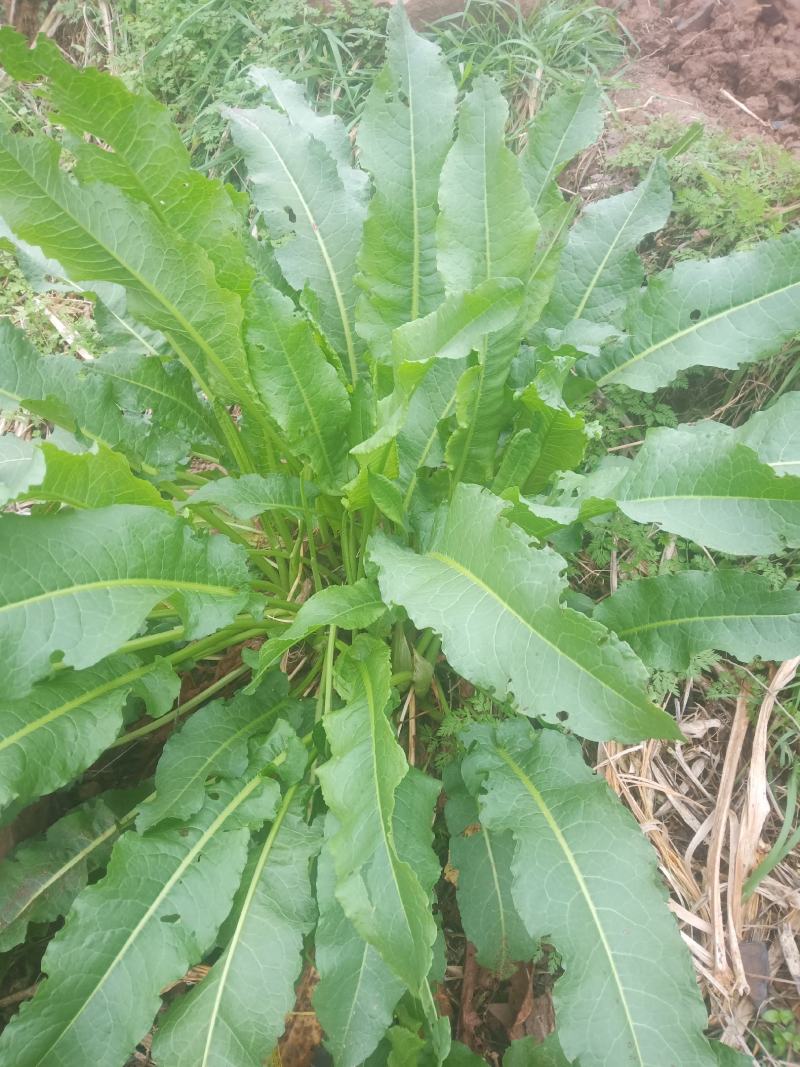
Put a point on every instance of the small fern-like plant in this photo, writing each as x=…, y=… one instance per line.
x=327, y=442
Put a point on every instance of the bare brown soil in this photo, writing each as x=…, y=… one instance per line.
x=720, y=59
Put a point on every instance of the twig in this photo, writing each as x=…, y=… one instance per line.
x=743, y=107
x=17, y=998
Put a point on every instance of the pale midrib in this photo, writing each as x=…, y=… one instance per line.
x=459, y=568
x=501, y=912
x=337, y=292
x=708, y=496
x=596, y=277
x=428, y=446
x=65, y=868
x=202, y=772
x=695, y=326
x=563, y=844
x=555, y=157
x=662, y=624
x=71, y=705
x=227, y=963
x=155, y=584
x=307, y=406
x=174, y=878
x=383, y=816
x=159, y=297
x=152, y=390
x=417, y=240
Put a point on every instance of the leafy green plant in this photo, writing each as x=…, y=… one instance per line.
x=329, y=440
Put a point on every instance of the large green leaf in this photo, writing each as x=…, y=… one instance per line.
x=486, y=230
x=586, y=879
x=290, y=97
x=357, y=990
x=162, y=395
x=98, y=234
x=670, y=618
x=431, y=404
x=380, y=893
x=714, y=313
x=460, y=322
x=314, y=219
x=61, y=726
x=403, y=137
x=599, y=266
x=236, y=1015
x=43, y=875
x=155, y=914
x=775, y=434
x=21, y=465
x=525, y=1053
x=253, y=494
x=566, y=124
x=699, y=482
x=80, y=479
x=299, y=388
x=214, y=742
x=149, y=161
x=495, y=601
x=482, y=862
x=350, y=607
x=132, y=410
x=84, y=582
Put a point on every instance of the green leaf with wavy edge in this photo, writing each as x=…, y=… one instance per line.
x=82, y=397
x=559, y=436
x=253, y=494
x=699, y=482
x=44, y=874
x=162, y=394
x=290, y=97
x=380, y=893
x=483, y=888
x=460, y=323
x=98, y=234
x=358, y=991
x=715, y=313
x=586, y=879
x=314, y=220
x=300, y=389
x=670, y=618
x=213, y=742
x=81, y=480
x=775, y=434
x=432, y=402
x=84, y=582
x=118, y=950
x=526, y=1053
x=61, y=727
x=149, y=161
x=599, y=266
x=566, y=124
x=236, y=1015
x=349, y=607
x=403, y=138
x=504, y=628
x=21, y=465
x=486, y=230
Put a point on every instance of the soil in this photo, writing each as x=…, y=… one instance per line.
x=694, y=52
